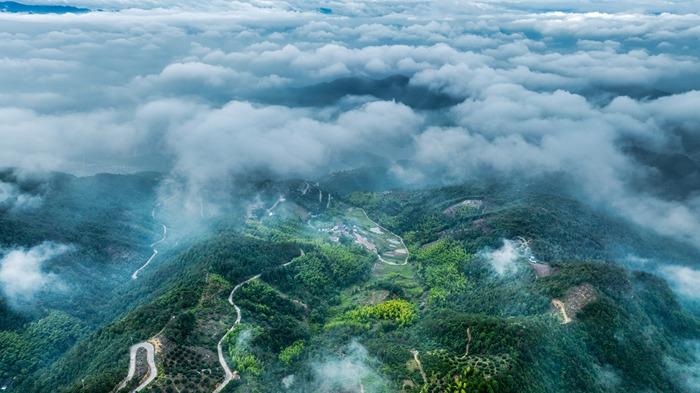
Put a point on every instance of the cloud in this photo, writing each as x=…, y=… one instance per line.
x=687, y=372
x=284, y=140
x=608, y=378
x=544, y=87
x=351, y=372
x=23, y=274
x=503, y=260
x=683, y=279
x=511, y=130
x=13, y=198
x=68, y=141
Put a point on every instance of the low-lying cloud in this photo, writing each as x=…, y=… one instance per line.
x=351, y=372
x=12, y=198
x=23, y=273
x=683, y=279
x=504, y=259
x=532, y=91
x=688, y=373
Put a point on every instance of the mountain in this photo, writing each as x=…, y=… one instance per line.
x=396, y=87
x=479, y=287
x=671, y=174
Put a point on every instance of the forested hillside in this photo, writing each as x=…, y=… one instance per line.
x=465, y=289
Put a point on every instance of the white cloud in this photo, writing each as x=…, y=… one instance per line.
x=503, y=259
x=13, y=198
x=351, y=372
x=22, y=271
x=283, y=140
x=685, y=280
x=688, y=373
x=548, y=87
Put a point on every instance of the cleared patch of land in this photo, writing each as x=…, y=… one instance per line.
x=354, y=225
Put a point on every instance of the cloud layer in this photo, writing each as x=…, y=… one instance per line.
x=557, y=87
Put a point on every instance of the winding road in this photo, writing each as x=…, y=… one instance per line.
x=231, y=375
x=524, y=248
x=150, y=359
x=135, y=274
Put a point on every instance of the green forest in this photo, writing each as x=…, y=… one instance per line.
x=503, y=290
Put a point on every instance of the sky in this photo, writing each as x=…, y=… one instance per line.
x=605, y=92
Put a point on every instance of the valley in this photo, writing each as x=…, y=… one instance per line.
x=135, y=274
x=405, y=196
x=304, y=285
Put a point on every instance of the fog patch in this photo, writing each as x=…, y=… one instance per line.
x=503, y=260
x=11, y=197
x=687, y=373
x=683, y=279
x=187, y=212
x=241, y=138
x=288, y=381
x=637, y=262
x=352, y=371
x=244, y=339
x=23, y=273
x=608, y=378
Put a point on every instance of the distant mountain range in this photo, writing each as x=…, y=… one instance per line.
x=14, y=7
x=395, y=87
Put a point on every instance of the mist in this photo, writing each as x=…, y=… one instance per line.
x=504, y=259
x=13, y=198
x=517, y=93
x=157, y=157
x=23, y=272
x=350, y=372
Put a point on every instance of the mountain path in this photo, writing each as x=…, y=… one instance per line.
x=272, y=208
x=229, y=374
x=135, y=274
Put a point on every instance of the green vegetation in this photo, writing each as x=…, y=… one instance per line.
x=396, y=310
x=41, y=342
x=292, y=352
x=441, y=265
x=466, y=380
x=329, y=267
x=446, y=314
x=239, y=341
